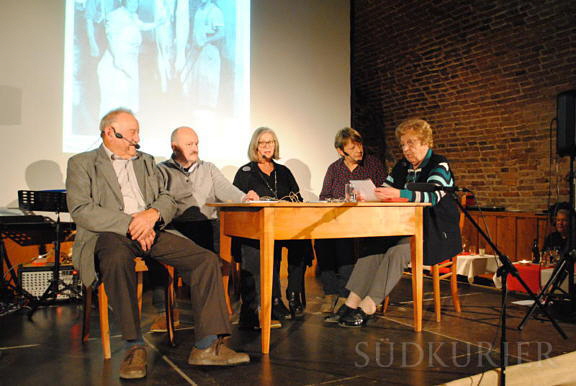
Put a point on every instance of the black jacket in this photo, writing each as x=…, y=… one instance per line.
x=442, y=238
x=280, y=184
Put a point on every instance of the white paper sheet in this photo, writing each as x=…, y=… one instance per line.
x=365, y=188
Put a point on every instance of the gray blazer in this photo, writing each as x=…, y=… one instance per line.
x=95, y=202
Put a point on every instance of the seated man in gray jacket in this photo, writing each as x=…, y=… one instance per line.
x=116, y=198
x=193, y=183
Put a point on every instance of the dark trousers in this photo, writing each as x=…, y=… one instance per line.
x=205, y=234
x=199, y=268
x=250, y=274
x=336, y=259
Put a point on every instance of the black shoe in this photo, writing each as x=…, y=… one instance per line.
x=295, y=304
x=279, y=310
x=355, y=318
x=251, y=322
x=248, y=320
x=335, y=317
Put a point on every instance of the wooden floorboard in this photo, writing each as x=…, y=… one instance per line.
x=48, y=349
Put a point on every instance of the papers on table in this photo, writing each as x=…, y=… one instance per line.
x=365, y=188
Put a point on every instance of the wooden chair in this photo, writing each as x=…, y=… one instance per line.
x=446, y=269
x=139, y=268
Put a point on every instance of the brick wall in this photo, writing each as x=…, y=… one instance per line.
x=485, y=74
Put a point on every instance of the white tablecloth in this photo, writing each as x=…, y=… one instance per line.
x=474, y=265
x=546, y=274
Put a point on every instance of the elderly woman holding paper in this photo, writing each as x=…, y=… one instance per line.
x=375, y=275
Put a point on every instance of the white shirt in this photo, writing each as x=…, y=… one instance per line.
x=131, y=193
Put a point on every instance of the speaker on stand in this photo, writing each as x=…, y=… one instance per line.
x=565, y=308
x=566, y=117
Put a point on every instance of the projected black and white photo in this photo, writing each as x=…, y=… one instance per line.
x=172, y=62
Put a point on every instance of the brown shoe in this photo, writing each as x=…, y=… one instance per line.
x=159, y=323
x=328, y=303
x=134, y=363
x=217, y=355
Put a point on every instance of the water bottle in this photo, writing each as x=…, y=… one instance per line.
x=535, y=252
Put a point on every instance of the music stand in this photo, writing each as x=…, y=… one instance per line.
x=48, y=201
x=25, y=231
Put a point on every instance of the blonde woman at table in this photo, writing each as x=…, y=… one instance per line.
x=375, y=275
x=276, y=182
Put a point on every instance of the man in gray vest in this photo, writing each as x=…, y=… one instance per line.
x=116, y=198
x=193, y=183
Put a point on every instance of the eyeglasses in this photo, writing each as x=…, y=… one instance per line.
x=266, y=143
x=410, y=143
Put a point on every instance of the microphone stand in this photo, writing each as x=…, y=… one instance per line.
x=503, y=271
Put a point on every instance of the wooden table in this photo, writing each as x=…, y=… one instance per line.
x=269, y=221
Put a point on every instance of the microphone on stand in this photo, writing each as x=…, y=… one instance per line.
x=428, y=187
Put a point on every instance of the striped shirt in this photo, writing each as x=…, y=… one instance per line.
x=439, y=175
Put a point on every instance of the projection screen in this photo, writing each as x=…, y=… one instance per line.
x=189, y=60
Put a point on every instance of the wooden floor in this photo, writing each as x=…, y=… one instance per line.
x=48, y=350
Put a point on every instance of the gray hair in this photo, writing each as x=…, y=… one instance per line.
x=253, y=147
x=110, y=117
x=175, y=133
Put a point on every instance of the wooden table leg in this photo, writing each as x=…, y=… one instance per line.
x=227, y=268
x=266, y=273
x=417, y=249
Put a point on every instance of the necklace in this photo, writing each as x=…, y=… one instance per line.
x=275, y=190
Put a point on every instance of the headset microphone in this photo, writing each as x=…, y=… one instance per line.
x=120, y=136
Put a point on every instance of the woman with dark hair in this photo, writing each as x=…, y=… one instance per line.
x=272, y=181
x=336, y=257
